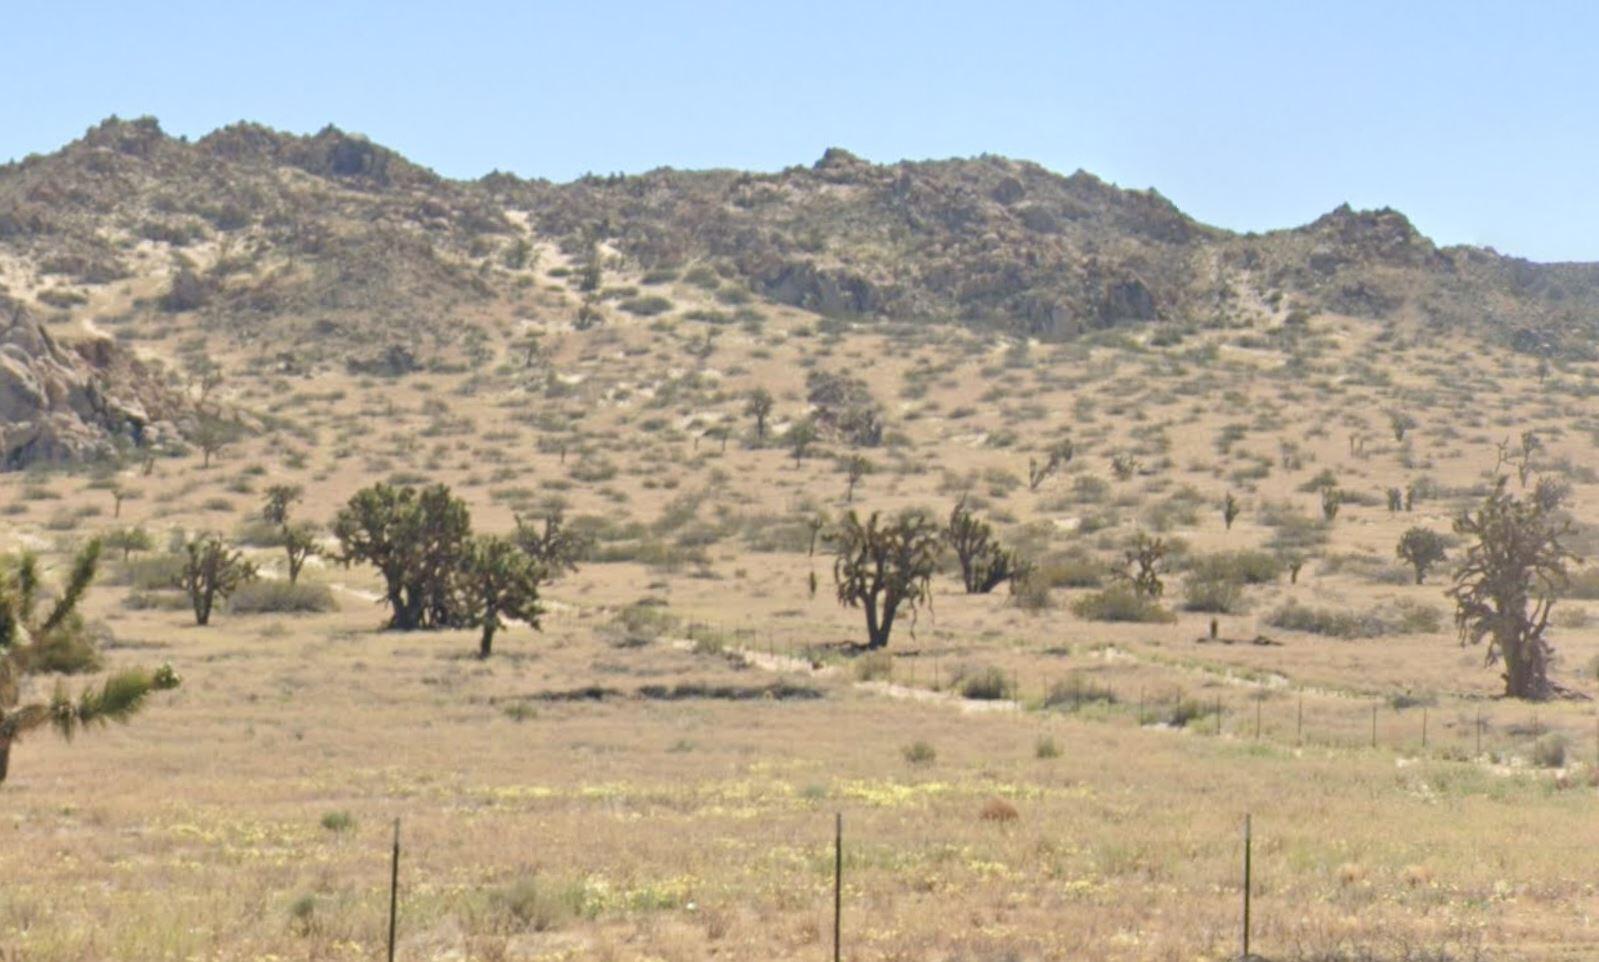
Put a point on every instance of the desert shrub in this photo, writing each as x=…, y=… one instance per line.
x=280, y=597
x=1397, y=618
x=1238, y=567
x=1212, y=595
x=1121, y=603
x=919, y=753
x=639, y=624
x=1549, y=751
x=1071, y=571
x=1185, y=711
x=1583, y=584
x=648, y=305
x=141, y=600
x=339, y=821
x=1075, y=690
x=988, y=683
x=148, y=572
x=1045, y=747
x=533, y=904
x=875, y=666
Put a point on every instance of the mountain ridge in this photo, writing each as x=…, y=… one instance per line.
x=345, y=230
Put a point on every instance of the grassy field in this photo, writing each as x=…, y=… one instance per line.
x=684, y=809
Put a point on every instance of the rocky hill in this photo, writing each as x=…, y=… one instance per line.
x=75, y=401
x=328, y=248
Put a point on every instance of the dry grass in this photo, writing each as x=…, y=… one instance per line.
x=632, y=827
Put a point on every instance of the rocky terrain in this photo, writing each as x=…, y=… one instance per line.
x=329, y=249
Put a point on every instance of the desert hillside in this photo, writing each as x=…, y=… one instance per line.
x=1195, y=455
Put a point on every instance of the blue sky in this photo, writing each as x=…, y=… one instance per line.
x=1480, y=121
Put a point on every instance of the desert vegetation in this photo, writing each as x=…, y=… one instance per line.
x=614, y=568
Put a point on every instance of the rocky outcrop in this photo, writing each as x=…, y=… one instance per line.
x=61, y=402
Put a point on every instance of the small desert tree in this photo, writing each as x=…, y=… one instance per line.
x=985, y=564
x=1507, y=583
x=799, y=437
x=1422, y=549
x=416, y=538
x=279, y=498
x=211, y=434
x=1230, y=510
x=300, y=544
x=212, y=570
x=1142, y=566
x=855, y=468
x=59, y=642
x=883, y=566
x=128, y=540
x=759, y=406
x=498, y=581
x=1331, y=500
x=1401, y=423
x=1055, y=457
x=553, y=546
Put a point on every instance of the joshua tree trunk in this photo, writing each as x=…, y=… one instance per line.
x=5, y=757
x=202, y=607
x=878, y=626
x=485, y=645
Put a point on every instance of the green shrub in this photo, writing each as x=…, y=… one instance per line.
x=1121, y=603
x=338, y=821
x=1075, y=690
x=1239, y=567
x=1402, y=617
x=1549, y=751
x=1069, y=571
x=647, y=306
x=275, y=596
x=988, y=683
x=149, y=572
x=919, y=753
x=531, y=904
x=1045, y=747
x=1213, y=596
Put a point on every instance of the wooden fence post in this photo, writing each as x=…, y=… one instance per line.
x=838, y=885
x=1248, y=846
x=394, y=889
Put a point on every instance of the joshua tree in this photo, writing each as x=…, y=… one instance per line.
x=58, y=643
x=1123, y=465
x=213, y=433
x=417, y=539
x=1422, y=549
x=799, y=438
x=1331, y=500
x=759, y=407
x=300, y=544
x=554, y=547
x=881, y=567
x=1038, y=472
x=593, y=271
x=278, y=499
x=129, y=540
x=1506, y=586
x=1396, y=500
x=498, y=580
x=212, y=570
x=855, y=467
x=1230, y=510
x=1401, y=423
x=815, y=524
x=1142, y=566
x=985, y=565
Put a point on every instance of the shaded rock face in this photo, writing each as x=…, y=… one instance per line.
x=75, y=402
